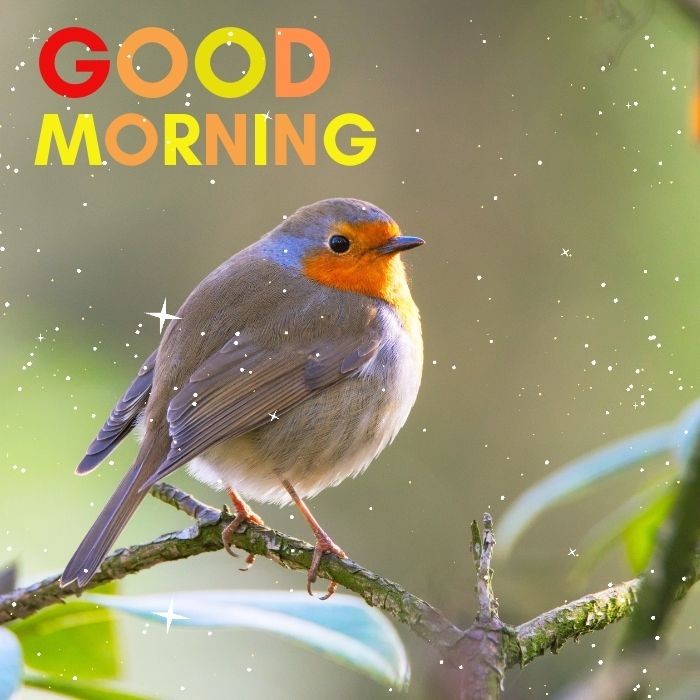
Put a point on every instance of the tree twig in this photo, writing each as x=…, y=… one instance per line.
x=482, y=651
x=205, y=536
x=482, y=551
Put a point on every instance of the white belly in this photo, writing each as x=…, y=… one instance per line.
x=327, y=438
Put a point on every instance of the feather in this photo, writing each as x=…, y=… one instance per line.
x=237, y=389
x=122, y=418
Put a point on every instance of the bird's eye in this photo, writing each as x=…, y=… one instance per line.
x=339, y=244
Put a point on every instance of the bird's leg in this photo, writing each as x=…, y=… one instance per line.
x=243, y=514
x=324, y=544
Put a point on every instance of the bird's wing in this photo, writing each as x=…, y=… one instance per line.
x=243, y=387
x=122, y=418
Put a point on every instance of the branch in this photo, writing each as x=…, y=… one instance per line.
x=483, y=651
x=205, y=536
x=482, y=551
x=550, y=630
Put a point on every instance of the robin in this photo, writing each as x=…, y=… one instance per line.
x=290, y=368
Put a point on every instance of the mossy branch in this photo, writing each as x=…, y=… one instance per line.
x=483, y=651
x=205, y=536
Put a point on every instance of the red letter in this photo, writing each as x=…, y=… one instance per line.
x=284, y=38
x=99, y=68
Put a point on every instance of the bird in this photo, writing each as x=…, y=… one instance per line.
x=289, y=368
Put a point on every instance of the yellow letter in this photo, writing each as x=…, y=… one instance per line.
x=366, y=144
x=211, y=81
x=260, y=139
x=51, y=129
x=174, y=144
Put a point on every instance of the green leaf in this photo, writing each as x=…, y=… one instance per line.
x=576, y=476
x=79, y=689
x=10, y=663
x=75, y=639
x=343, y=628
x=641, y=532
x=638, y=517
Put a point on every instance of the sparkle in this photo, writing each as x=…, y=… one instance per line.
x=163, y=315
x=273, y=416
x=566, y=252
x=267, y=115
x=33, y=38
x=40, y=337
x=635, y=405
x=572, y=553
x=169, y=616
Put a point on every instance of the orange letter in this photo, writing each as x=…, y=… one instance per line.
x=284, y=38
x=216, y=131
x=140, y=122
x=305, y=148
x=178, y=58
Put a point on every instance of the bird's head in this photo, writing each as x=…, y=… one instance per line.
x=344, y=243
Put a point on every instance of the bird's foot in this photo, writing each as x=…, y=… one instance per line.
x=242, y=516
x=324, y=545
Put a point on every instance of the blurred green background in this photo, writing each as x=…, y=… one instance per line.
x=503, y=143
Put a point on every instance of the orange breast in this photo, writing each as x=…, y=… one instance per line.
x=364, y=271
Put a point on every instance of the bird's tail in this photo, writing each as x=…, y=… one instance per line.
x=109, y=524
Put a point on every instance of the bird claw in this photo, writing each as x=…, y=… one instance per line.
x=249, y=561
x=324, y=545
x=228, y=532
x=227, y=536
x=329, y=591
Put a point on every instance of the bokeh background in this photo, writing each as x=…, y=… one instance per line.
x=503, y=142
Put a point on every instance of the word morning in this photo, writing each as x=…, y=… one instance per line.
x=235, y=138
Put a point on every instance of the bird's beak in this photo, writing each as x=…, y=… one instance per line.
x=399, y=243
